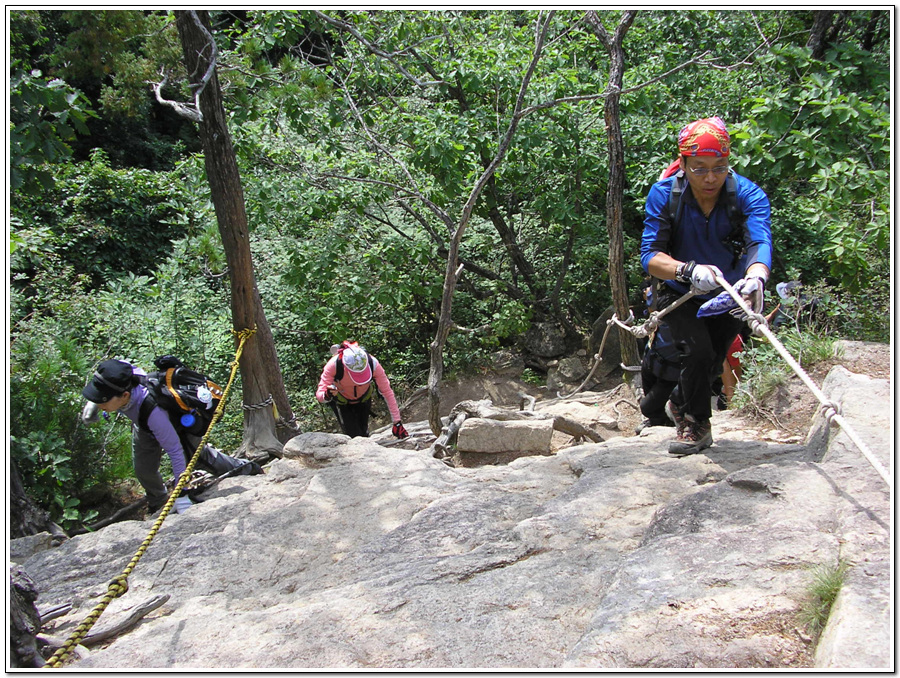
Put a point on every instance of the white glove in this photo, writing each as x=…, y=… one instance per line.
x=752, y=290
x=182, y=504
x=703, y=277
x=90, y=413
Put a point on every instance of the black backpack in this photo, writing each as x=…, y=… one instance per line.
x=189, y=397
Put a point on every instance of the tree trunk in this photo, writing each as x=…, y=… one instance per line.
x=871, y=32
x=25, y=517
x=436, y=352
x=260, y=372
x=817, y=35
x=24, y=620
x=616, y=189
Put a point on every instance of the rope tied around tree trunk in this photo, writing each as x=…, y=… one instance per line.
x=258, y=406
x=291, y=423
x=119, y=585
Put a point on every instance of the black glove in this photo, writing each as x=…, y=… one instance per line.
x=399, y=431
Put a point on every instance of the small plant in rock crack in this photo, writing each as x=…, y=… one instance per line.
x=820, y=596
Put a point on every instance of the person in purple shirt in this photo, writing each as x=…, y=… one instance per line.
x=702, y=244
x=116, y=386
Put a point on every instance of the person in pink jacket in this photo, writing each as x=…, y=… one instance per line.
x=348, y=383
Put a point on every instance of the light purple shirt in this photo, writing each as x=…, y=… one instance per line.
x=160, y=426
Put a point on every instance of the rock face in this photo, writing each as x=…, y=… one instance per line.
x=348, y=554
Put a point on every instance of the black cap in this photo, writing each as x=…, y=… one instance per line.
x=112, y=379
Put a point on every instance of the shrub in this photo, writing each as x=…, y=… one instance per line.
x=764, y=369
x=60, y=459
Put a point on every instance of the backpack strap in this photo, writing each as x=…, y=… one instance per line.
x=735, y=239
x=151, y=382
x=736, y=218
x=675, y=195
x=344, y=400
x=147, y=406
x=654, y=293
x=170, y=373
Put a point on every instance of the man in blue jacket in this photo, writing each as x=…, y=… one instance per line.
x=720, y=226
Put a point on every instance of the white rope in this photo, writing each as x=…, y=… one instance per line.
x=759, y=325
x=639, y=332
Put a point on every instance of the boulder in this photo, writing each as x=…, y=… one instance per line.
x=545, y=340
x=489, y=436
x=566, y=372
x=859, y=629
x=24, y=620
x=507, y=363
x=24, y=547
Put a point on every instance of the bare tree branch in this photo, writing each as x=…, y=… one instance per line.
x=189, y=111
x=192, y=111
x=387, y=222
x=437, y=345
x=422, y=221
x=414, y=192
x=374, y=49
x=513, y=125
x=606, y=95
x=213, y=58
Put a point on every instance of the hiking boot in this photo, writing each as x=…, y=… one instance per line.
x=696, y=436
x=653, y=421
x=676, y=417
x=250, y=468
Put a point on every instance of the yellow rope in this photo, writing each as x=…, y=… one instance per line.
x=119, y=585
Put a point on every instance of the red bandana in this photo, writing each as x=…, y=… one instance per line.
x=705, y=137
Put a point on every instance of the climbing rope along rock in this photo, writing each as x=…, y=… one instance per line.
x=760, y=327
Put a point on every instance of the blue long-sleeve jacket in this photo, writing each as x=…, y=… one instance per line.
x=703, y=240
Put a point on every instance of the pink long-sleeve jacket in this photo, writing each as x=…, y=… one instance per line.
x=352, y=391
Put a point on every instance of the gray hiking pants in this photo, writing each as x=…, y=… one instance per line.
x=146, y=454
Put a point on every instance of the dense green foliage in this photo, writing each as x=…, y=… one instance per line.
x=359, y=137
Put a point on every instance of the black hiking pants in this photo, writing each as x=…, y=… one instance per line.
x=146, y=455
x=656, y=394
x=703, y=343
x=659, y=376
x=353, y=417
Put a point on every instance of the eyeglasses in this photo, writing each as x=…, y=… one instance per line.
x=703, y=171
